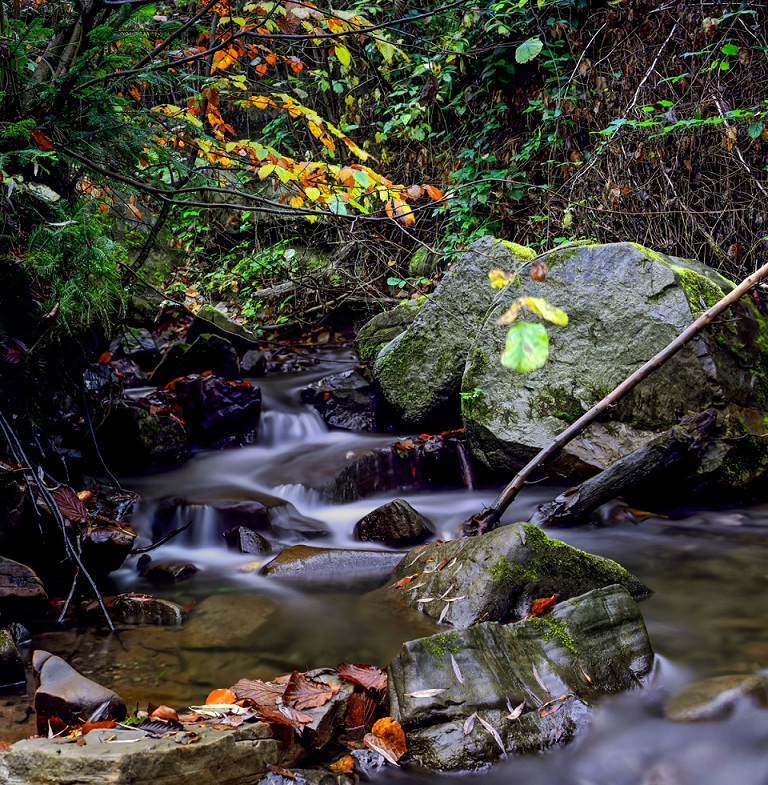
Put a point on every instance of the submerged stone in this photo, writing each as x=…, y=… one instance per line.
x=533, y=682
x=717, y=698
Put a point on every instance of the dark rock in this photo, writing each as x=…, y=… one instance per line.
x=19, y=633
x=383, y=328
x=207, y=353
x=330, y=565
x=65, y=697
x=557, y=665
x=143, y=609
x=395, y=524
x=12, y=673
x=132, y=438
x=254, y=363
x=420, y=370
x=211, y=320
x=246, y=540
x=233, y=756
x=137, y=344
x=217, y=412
x=106, y=545
x=21, y=591
x=167, y=571
x=496, y=576
x=345, y=400
x=717, y=698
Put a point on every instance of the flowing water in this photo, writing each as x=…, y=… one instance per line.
x=708, y=614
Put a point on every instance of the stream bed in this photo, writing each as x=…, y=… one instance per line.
x=708, y=615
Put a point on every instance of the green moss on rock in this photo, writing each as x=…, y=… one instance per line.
x=442, y=644
x=521, y=251
x=554, y=628
x=557, y=402
x=501, y=572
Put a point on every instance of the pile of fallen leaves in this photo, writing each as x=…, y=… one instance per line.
x=295, y=701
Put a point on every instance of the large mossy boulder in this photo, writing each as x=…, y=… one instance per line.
x=375, y=334
x=497, y=576
x=420, y=370
x=452, y=691
x=625, y=303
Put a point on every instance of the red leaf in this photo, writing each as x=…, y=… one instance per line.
x=304, y=693
x=542, y=604
x=360, y=714
x=260, y=692
x=539, y=271
x=69, y=504
x=106, y=357
x=368, y=676
x=41, y=139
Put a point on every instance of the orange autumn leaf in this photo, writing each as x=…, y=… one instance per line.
x=404, y=581
x=387, y=738
x=542, y=604
x=433, y=193
x=302, y=692
x=134, y=91
x=105, y=357
x=345, y=765
x=41, y=139
x=221, y=696
x=87, y=727
x=164, y=713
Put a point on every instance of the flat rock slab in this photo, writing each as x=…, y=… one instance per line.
x=330, y=565
x=110, y=757
x=556, y=665
x=496, y=576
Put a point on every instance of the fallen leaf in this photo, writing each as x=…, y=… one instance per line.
x=388, y=739
x=469, y=724
x=542, y=604
x=516, y=712
x=344, y=765
x=404, y=581
x=302, y=692
x=164, y=713
x=281, y=771
x=87, y=727
x=69, y=504
x=221, y=696
x=367, y=676
x=260, y=692
x=554, y=705
x=425, y=693
x=539, y=270
x=360, y=714
x=456, y=670
x=539, y=679
x=494, y=733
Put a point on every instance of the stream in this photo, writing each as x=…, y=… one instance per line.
x=708, y=615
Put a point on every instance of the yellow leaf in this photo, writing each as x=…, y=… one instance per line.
x=315, y=129
x=312, y=193
x=343, y=55
x=510, y=315
x=500, y=278
x=297, y=201
x=266, y=170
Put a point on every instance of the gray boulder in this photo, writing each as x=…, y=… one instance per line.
x=345, y=400
x=625, y=303
x=552, y=668
x=330, y=565
x=420, y=370
x=64, y=697
x=137, y=344
x=375, y=334
x=497, y=576
x=238, y=756
x=395, y=523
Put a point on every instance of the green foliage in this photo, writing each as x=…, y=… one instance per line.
x=526, y=347
x=79, y=268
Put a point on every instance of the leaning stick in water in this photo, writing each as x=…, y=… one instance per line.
x=489, y=518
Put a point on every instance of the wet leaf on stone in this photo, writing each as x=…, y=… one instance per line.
x=469, y=724
x=516, y=712
x=221, y=696
x=360, y=714
x=69, y=504
x=302, y=692
x=163, y=713
x=388, y=739
x=426, y=693
x=344, y=765
x=405, y=581
x=457, y=672
x=494, y=733
x=542, y=604
x=554, y=705
x=260, y=692
x=539, y=679
x=367, y=676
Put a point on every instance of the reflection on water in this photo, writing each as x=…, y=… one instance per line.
x=708, y=615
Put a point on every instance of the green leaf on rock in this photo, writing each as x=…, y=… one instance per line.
x=527, y=347
x=542, y=308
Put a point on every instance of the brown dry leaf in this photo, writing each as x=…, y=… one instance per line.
x=404, y=581
x=367, y=676
x=539, y=271
x=87, y=727
x=284, y=715
x=263, y=694
x=360, y=714
x=542, y=604
x=221, y=696
x=164, y=713
x=69, y=504
x=345, y=765
x=554, y=705
x=387, y=738
x=305, y=693
x=85, y=496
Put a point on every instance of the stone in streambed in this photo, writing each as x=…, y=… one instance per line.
x=244, y=540
x=21, y=591
x=395, y=524
x=558, y=665
x=136, y=344
x=228, y=620
x=65, y=696
x=206, y=353
x=143, y=609
x=330, y=565
x=346, y=400
x=717, y=698
x=169, y=571
x=383, y=328
x=12, y=673
x=496, y=576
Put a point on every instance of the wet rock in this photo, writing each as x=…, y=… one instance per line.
x=206, y=353
x=556, y=665
x=105, y=545
x=368, y=762
x=217, y=412
x=383, y=328
x=136, y=344
x=19, y=633
x=132, y=437
x=308, y=777
x=227, y=621
x=21, y=591
x=395, y=524
x=238, y=756
x=717, y=698
x=12, y=673
x=246, y=540
x=330, y=565
x=625, y=303
x=420, y=370
x=211, y=320
x=254, y=363
x=497, y=576
x=169, y=571
x=143, y=609
x=346, y=400
x=65, y=697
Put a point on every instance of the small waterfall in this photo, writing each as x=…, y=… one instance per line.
x=465, y=464
x=278, y=429
x=299, y=495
